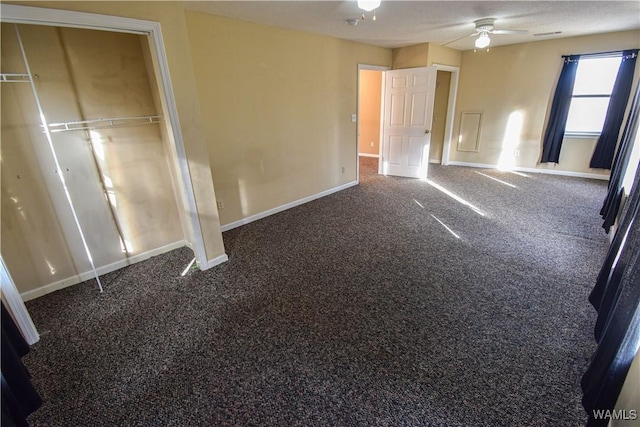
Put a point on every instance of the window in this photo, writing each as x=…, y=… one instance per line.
x=594, y=82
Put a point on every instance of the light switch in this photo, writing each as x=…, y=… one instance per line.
x=354, y=118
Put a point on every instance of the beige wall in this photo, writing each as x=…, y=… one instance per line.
x=82, y=74
x=370, y=96
x=513, y=87
x=411, y=56
x=277, y=107
x=425, y=55
x=171, y=17
x=443, y=55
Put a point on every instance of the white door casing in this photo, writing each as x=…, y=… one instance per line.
x=16, y=306
x=408, y=114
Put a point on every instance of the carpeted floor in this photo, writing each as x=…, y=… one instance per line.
x=390, y=304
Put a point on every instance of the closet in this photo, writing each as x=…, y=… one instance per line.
x=98, y=191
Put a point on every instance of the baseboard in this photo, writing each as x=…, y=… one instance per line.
x=564, y=173
x=286, y=206
x=472, y=165
x=74, y=280
x=216, y=261
x=534, y=170
x=368, y=155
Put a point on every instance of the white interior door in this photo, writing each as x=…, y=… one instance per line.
x=408, y=113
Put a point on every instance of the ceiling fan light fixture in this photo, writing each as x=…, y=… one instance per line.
x=483, y=41
x=368, y=5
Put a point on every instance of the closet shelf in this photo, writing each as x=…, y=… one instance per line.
x=103, y=123
x=14, y=78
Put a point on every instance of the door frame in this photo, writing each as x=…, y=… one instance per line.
x=449, y=121
x=18, y=14
x=451, y=109
x=16, y=307
x=371, y=68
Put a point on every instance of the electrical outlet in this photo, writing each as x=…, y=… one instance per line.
x=342, y=169
x=516, y=153
x=354, y=118
x=372, y=143
x=220, y=204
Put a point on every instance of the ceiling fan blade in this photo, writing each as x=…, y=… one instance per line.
x=509, y=32
x=458, y=39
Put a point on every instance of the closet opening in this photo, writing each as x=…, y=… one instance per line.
x=90, y=171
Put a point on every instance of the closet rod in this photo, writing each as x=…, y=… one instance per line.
x=103, y=123
x=15, y=78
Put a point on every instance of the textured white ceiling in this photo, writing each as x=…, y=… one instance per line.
x=404, y=23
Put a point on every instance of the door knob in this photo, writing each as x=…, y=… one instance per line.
x=427, y=131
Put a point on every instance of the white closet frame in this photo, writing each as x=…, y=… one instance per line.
x=64, y=18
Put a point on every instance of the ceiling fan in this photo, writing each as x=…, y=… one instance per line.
x=484, y=27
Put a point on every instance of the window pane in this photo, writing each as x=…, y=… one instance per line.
x=596, y=76
x=587, y=114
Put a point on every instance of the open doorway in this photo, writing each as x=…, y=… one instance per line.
x=370, y=110
x=371, y=98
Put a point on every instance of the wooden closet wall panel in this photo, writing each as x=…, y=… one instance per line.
x=109, y=71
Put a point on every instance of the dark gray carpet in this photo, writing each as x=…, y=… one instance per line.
x=357, y=309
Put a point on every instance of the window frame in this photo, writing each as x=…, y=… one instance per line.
x=592, y=134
